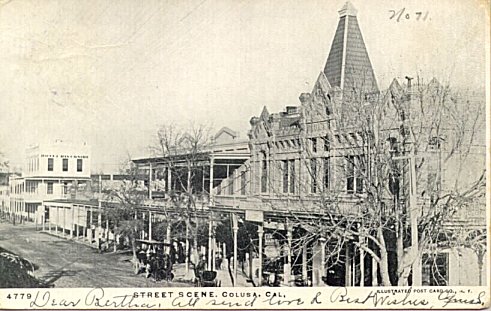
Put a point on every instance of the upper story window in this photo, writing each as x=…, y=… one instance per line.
x=49, y=188
x=288, y=168
x=326, y=177
x=264, y=174
x=50, y=164
x=313, y=175
x=65, y=165
x=327, y=143
x=313, y=144
x=79, y=165
x=355, y=173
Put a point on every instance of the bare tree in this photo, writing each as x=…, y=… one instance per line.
x=379, y=171
x=122, y=201
x=185, y=152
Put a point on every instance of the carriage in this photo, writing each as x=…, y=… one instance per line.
x=155, y=258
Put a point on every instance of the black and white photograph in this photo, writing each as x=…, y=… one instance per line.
x=218, y=153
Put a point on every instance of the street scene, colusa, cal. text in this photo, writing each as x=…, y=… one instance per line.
x=355, y=186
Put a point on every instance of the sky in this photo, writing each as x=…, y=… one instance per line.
x=109, y=73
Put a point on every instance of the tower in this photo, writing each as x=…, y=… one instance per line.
x=348, y=65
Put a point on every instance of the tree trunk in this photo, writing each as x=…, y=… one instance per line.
x=401, y=280
x=133, y=248
x=115, y=240
x=384, y=260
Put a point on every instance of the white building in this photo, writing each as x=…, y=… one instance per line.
x=51, y=171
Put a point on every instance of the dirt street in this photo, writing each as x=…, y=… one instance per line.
x=64, y=263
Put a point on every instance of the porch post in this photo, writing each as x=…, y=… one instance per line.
x=73, y=222
x=150, y=181
x=304, y=263
x=64, y=220
x=210, y=201
x=49, y=220
x=210, y=228
x=287, y=268
x=235, y=229
x=260, y=233
x=323, y=258
x=149, y=225
x=362, y=266
x=186, y=258
x=169, y=179
x=347, y=264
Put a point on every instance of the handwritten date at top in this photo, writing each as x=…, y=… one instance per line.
x=402, y=14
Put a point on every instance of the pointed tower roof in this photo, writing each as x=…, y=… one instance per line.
x=348, y=65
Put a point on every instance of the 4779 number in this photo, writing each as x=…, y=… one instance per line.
x=19, y=296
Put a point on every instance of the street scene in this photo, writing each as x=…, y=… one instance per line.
x=167, y=161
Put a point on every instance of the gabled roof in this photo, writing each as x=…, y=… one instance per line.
x=322, y=83
x=348, y=65
x=227, y=130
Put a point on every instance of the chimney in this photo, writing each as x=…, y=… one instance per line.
x=292, y=110
x=409, y=86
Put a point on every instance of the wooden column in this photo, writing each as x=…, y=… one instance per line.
x=43, y=216
x=73, y=222
x=347, y=264
x=168, y=233
x=260, y=233
x=304, y=263
x=150, y=181
x=169, y=179
x=186, y=258
x=235, y=229
x=57, y=219
x=288, y=266
x=64, y=220
x=323, y=257
x=362, y=266
x=49, y=220
x=149, y=225
x=77, y=227
x=211, y=181
x=210, y=228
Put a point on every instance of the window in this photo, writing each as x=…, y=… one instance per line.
x=79, y=165
x=325, y=179
x=313, y=144
x=327, y=144
x=292, y=176
x=313, y=174
x=49, y=188
x=65, y=165
x=355, y=171
x=286, y=177
x=50, y=164
x=264, y=175
x=288, y=170
x=435, y=269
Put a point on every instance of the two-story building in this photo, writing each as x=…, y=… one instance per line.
x=51, y=171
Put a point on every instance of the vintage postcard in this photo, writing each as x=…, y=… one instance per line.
x=212, y=154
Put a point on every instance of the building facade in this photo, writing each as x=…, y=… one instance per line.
x=50, y=171
x=349, y=153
